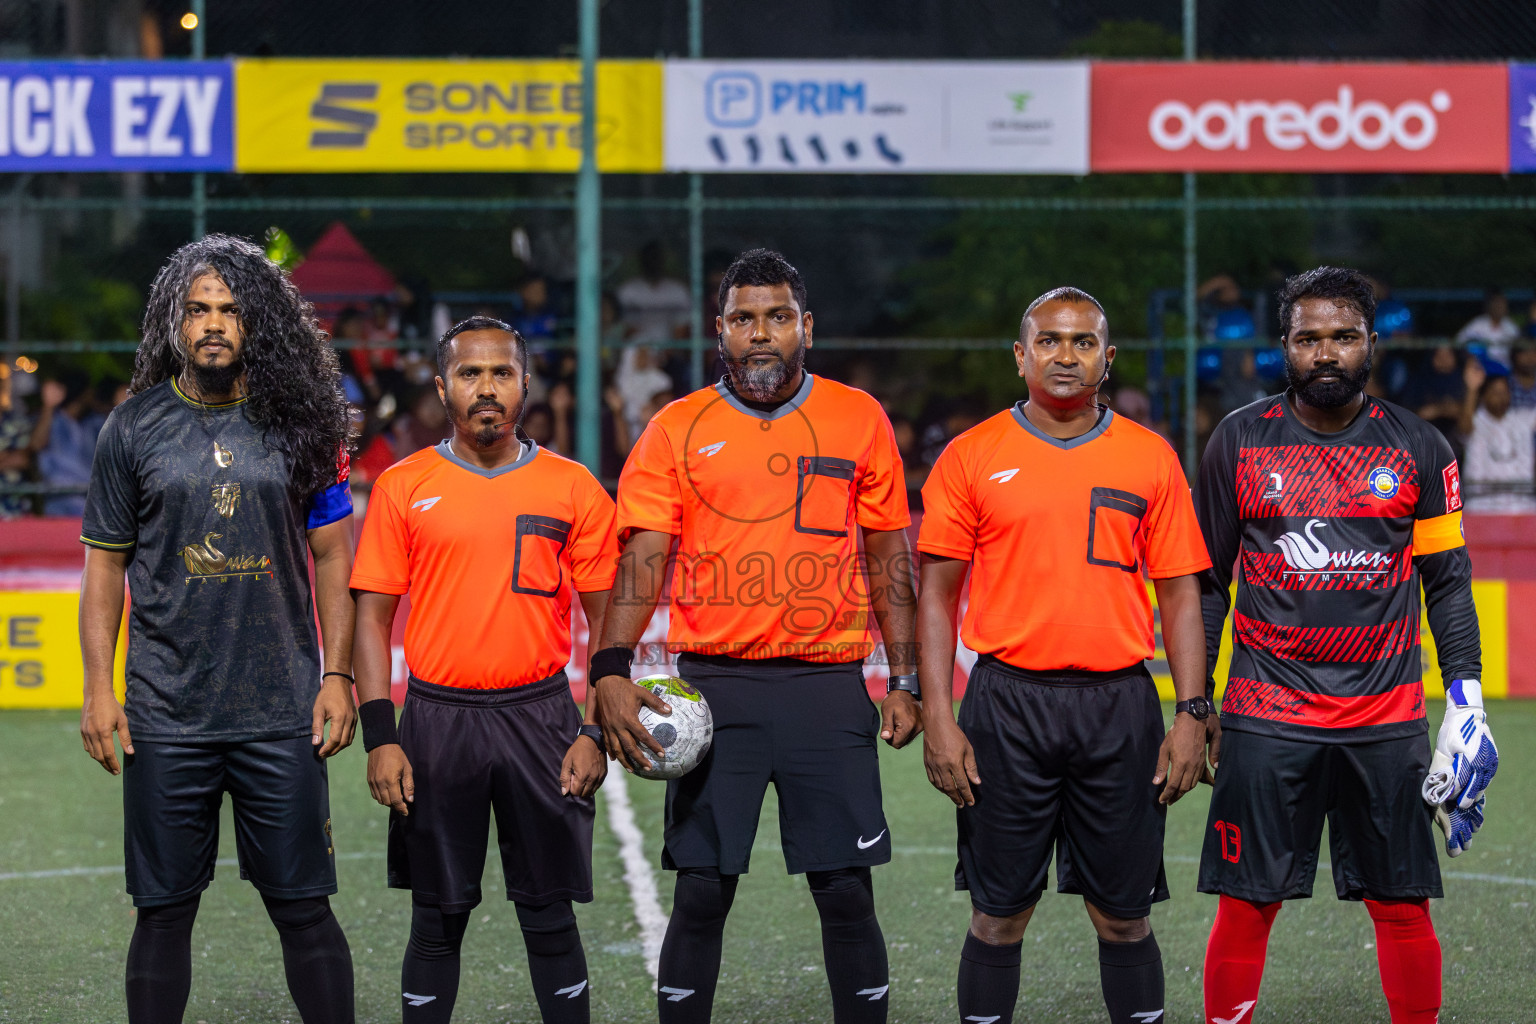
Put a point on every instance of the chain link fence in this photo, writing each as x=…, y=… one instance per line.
x=916, y=281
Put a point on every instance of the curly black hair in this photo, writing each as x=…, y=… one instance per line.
x=292, y=378
x=762, y=267
x=1349, y=286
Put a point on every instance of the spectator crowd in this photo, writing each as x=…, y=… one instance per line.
x=1478, y=389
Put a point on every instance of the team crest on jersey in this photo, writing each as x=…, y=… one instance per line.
x=1384, y=482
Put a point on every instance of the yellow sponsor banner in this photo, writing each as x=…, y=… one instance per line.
x=442, y=115
x=40, y=663
x=1490, y=596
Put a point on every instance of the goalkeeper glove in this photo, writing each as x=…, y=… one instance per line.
x=1458, y=825
x=1465, y=740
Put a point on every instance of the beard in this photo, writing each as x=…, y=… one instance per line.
x=486, y=435
x=763, y=383
x=215, y=380
x=1328, y=394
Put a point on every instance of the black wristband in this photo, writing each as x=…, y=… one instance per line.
x=593, y=733
x=611, y=661
x=378, y=718
x=342, y=674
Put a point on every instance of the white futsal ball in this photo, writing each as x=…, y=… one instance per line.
x=685, y=733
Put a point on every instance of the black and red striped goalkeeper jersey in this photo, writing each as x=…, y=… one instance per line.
x=1330, y=536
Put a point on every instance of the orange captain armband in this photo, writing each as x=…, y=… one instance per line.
x=1438, y=534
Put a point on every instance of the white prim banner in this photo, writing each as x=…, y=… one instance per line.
x=877, y=117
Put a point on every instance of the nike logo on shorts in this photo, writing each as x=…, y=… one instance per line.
x=864, y=846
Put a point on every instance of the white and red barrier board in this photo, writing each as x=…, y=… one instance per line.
x=1300, y=117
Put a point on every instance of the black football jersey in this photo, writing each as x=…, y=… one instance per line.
x=1330, y=537
x=221, y=630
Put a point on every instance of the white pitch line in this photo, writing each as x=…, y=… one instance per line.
x=638, y=875
x=117, y=869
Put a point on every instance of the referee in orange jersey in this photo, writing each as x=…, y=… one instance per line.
x=1058, y=507
x=489, y=534
x=766, y=483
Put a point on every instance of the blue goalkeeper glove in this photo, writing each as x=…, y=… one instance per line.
x=1460, y=826
x=1464, y=763
x=1464, y=738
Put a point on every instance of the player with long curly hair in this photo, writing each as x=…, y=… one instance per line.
x=291, y=379
x=211, y=487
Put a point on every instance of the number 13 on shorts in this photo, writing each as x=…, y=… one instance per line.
x=1231, y=840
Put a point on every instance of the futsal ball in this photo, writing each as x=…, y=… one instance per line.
x=685, y=734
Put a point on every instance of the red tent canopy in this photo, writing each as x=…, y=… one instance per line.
x=338, y=269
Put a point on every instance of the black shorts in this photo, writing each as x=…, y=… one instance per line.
x=809, y=729
x=1272, y=796
x=474, y=752
x=282, y=808
x=1066, y=761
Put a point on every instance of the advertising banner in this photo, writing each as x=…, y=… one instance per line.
x=877, y=117
x=1301, y=117
x=1522, y=118
x=442, y=115
x=40, y=664
x=115, y=116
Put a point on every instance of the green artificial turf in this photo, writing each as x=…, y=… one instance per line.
x=63, y=939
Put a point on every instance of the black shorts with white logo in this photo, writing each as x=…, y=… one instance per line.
x=478, y=752
x=1066, y=761
x=1272, y=796
x=282, y=811
x=809, y=729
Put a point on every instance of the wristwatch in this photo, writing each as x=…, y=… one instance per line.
x=906, y=682
x=1197, y=708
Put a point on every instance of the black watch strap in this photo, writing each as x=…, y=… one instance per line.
x=906, y=681
x=1196, y=707
x=593, y=733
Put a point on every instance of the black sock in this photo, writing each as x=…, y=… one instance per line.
x=690, y=954
x=988, y=987
x=1131, y=974
x=557, y=965
x=429, y=977
x=160, y=963
x=852, y=945
x=316, y=959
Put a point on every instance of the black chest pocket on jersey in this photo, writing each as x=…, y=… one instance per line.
x=536, y=561
x=824, y=495
x=1114, y=517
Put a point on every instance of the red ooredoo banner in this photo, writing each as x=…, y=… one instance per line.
x=1300, y=117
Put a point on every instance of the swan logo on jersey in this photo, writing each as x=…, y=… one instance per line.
x=1304, y=552
x=1384, y=482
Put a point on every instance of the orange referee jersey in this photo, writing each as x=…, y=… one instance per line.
x=1058, y=534
x=766, y=506
x=489, y=558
